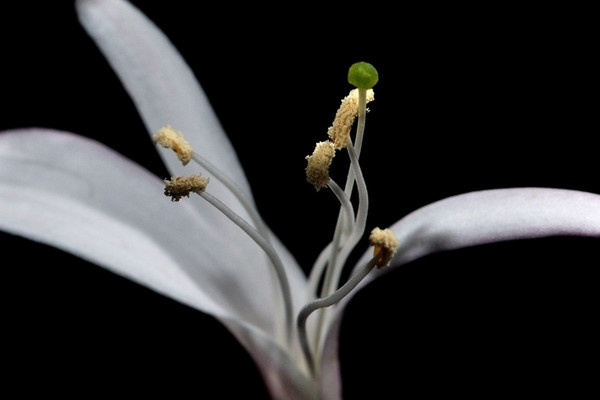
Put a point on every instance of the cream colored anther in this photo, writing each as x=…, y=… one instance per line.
x=384, y=244
x=180, y=186
x=339, y=131
x=170, y=139
x=317, y=170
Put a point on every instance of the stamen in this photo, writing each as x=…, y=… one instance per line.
x=364, y=76
x=169, y=138
x=344, y=202
x=386, y=244
x=317, y=169
x=260, y=225
x=341, y=252
x=339, y=132
x=338, y=258
x=233, y=187
x=266, y=246
x=180, y=186
x=175, y=141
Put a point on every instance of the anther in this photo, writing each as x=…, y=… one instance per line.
x=384, y=244
x=180, y=186
x=339, y=132
x=317, y=169
x=170, y=139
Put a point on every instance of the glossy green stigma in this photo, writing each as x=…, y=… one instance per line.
x=363, y=75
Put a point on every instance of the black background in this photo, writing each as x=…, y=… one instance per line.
x=468, y=99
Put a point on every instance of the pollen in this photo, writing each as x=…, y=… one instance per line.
x=317, y=170
x=384, y=244
x=339, y=132
x=180, y=186
x=171, y=139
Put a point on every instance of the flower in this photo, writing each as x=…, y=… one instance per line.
x=86, y=204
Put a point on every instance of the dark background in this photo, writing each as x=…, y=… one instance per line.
x=468, y=99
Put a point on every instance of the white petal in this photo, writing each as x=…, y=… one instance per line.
x=496, y=215
x=75, y=194
x=490, y=216
x=160, y=83
x=165, y=91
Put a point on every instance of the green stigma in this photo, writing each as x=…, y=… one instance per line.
x=363, y=75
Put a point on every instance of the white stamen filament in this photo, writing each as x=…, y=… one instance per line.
x=250, y=208
x=351, y=178
x=328, y=301
x=169, y=138
x=235, y=190
x=266, y=246
x=331, y=280
x=338, y=259
x=321, y=262
x=359, y=224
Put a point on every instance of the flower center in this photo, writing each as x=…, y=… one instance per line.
x=324, y=286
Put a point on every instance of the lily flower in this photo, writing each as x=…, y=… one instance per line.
x=212, y=251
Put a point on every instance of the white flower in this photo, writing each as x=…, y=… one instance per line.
x=106, y=209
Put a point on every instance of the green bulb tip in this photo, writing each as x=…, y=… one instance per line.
x=363, y=75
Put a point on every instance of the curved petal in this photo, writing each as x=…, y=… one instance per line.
x=161, y=84
x=490, y=216
x=75, y=194
x=477, y=218
x=165, y=91
x=496, y=215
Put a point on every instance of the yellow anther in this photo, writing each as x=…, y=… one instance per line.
x=169, y=138
x=180, y=186
x=317, y=170
x=339, y=132
x=384, y=244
